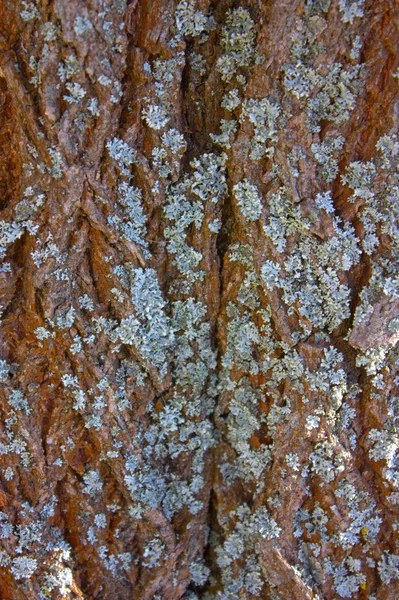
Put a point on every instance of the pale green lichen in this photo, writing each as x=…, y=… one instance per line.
x=238, y=41
x=227, y=128
x=336, y=91
x=310, y=280
x=264, y=115
x=248, y=200
x=190, y=22
x=156, y=116
x=243, y=543
x=123, y=154
x=185, y=205
x=131, y=223
x=148, y=329
x=351, y=9
x=326, y=156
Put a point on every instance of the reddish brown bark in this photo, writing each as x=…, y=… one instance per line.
x=198, y=339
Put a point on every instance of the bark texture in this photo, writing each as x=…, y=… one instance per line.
x=200, y=299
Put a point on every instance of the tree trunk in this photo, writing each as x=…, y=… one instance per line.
x=200, y=299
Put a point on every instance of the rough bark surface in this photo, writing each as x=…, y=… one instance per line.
x=200, y=299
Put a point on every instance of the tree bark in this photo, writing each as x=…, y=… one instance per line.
x=200, y=299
